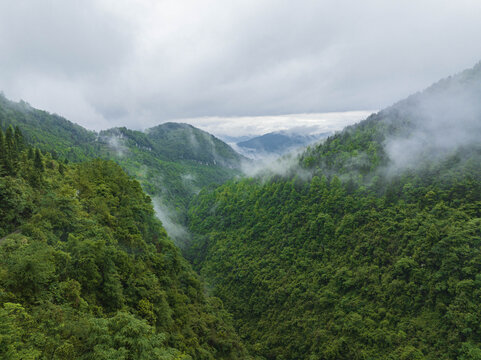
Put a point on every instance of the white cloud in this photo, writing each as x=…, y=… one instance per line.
x=258, y=125
x=138, y=63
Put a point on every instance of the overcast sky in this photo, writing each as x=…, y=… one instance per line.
x=104, y=63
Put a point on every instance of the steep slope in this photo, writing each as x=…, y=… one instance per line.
x=418, y=130
x=87, y=271
x=377, y=256
x=185, y=142
x=171, y=161
x=49, y=131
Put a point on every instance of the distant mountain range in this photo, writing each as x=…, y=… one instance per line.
x=278, y=143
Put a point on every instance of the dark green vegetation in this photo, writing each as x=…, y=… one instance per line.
x=368, y=248
x=171, y=161
x=377, y=256
x=87, y=271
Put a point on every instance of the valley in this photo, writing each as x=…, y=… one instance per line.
x=365, y=245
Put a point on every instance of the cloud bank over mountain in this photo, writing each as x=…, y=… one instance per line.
x=106, y=63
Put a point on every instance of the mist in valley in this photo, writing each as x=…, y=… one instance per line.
x=170, y=221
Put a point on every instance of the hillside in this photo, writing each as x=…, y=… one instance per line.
x=171, y=161
x=49, y=131
x=185, y=142
x=87, y=271
x=412, y=133
x=368, y=248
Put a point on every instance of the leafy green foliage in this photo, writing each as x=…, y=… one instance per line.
x=49, y=132
x=171, y=161
x=373, y=257
x=87, y=271
x=377, y=256
x=312, y=269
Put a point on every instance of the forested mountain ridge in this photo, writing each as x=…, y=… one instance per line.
x=376, y=256
x=176, y=142
x=49, y=132
x=87, y=271
x=167, y=141
x=183, y=141
x=171, y=161
x=373, y=253
x=421, y=128
x=279, y=142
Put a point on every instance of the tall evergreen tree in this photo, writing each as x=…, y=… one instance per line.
x=2, y=153
x=9, y=153
x=10, y=139
x=19, y=140
x=38, y=162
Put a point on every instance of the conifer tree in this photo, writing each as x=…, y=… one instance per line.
x=19, y=140
x=38, y=162
x=9, y=153
x=10, y=140
x=2, y=153
x=61, y=168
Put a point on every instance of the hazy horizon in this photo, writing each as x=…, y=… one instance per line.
x=105, y=63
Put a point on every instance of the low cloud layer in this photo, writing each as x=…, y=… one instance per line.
x=443, y=119
x=105, y=63
x=305, y=124
x=267, y=166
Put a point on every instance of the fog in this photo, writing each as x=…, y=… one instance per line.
x=188, y=180
x=169, y=218
x=116, y=144
x=268, y=165
x=425, y=127
x=239, y=127
x=442, y=119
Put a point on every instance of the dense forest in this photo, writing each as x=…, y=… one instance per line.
x=171, y=161
x=368, y=248
x=87, y=271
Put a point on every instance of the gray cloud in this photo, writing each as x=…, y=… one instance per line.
x=105, y=63
x=61, y=38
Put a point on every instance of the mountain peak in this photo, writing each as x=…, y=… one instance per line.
x=278, y=142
